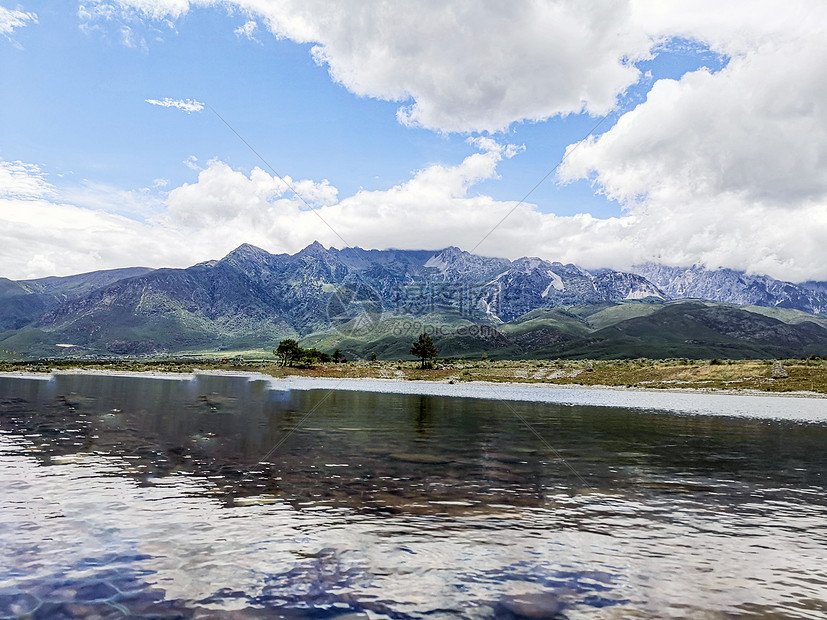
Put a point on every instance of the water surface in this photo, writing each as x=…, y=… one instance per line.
x=197, y=496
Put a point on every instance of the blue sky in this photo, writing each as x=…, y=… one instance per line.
x=77, y=124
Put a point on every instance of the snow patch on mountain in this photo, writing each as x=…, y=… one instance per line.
x=436, y=262
x=556, y=283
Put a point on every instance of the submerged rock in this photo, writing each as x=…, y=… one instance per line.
x=532, y=605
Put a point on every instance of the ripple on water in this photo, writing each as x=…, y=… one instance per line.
x=165, y=508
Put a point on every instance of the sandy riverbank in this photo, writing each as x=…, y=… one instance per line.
x=718, y=376
x=302, y=381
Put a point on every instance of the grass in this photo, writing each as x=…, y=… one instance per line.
x=804, y=374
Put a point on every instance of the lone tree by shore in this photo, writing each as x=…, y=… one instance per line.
x=424, y=349
x=288, y=351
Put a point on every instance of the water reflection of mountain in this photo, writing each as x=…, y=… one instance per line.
x=393, y=453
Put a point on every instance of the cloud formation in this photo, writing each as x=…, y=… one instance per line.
x=11, y=19
x=725, y=168
x=187, y=105
x=43, y=234
x=247, y=30
x=71, y=230
x=15, y=18
x=728, y=168
x=457, y=66
x=20, y=180
x=206, y=219
x=435, y=208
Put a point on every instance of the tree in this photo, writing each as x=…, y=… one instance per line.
x=339, y=357
x=313, y=355
x=424, y=348
x=288, y=351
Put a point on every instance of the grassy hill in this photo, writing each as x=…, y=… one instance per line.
x=160, y=325
x=697, y=330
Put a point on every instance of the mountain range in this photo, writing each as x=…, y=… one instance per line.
x=372, y=301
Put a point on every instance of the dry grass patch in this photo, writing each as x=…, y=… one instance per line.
x=804, y=375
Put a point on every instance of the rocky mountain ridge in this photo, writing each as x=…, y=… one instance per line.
x=252, y=296
x=735, y=287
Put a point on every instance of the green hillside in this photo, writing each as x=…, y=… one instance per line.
x=617, y=313
x=161, y=325
x=788, y=315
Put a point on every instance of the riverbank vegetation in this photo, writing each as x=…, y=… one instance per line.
x=808, y=374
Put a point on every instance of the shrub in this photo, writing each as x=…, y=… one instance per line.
x=291, y=353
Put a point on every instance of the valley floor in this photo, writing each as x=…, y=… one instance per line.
x=804, y=376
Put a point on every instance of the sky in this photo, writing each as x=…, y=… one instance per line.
x=168, y=132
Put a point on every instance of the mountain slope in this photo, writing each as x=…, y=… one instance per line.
x=533, y=283
x=359, y=298
x=23, y=301
x=698, y=330
x=207, y=305
x=66, y=287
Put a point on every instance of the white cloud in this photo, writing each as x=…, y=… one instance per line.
x=130, y=39
x=47, y=238
x=247, y=30
x=191, y=162
x=723, y=168
x=71, y=230
x=45, y=235
x=60, y=231
x=457, y=66
x=157, y=10
x=435, y=208
x=187, y=105
x=732, y=28
x=474, y=66
x=134, y=23
x=20, y=180
x=729, y=169
x=11, y=19
x=231, y=203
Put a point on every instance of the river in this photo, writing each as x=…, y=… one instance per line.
x=209, y=495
